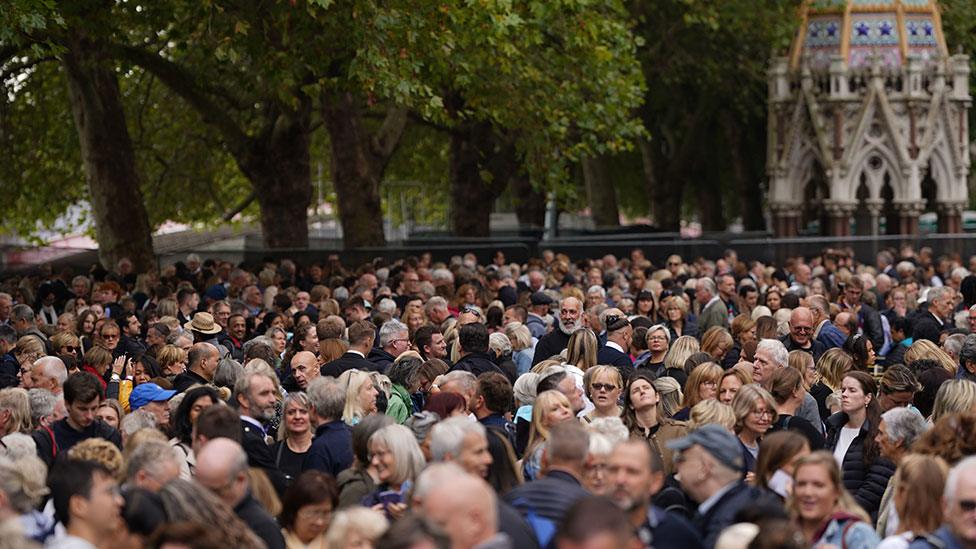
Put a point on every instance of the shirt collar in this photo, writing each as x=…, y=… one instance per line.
x=714, y=298
x=615, y=346
x=711, y=501
x=355, y=352
x=254, y=422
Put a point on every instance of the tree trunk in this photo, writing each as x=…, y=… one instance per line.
x=278, y=166
x=665, y=195
x=600, y=192
x=747, y=181
x=359, y=160
x=121, y=222
x=530, y=204
x=480, y=168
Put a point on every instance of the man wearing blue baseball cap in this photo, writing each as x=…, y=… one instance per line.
x=709, y=467
x=153, y=399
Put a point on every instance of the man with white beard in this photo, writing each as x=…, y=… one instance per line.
x=570, y=320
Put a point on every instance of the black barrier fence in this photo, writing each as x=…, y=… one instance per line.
x=656, y=247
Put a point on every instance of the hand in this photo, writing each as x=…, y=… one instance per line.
x=397, y=510
x=119, y=364
x=751, y=478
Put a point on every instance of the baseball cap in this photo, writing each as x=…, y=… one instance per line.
x=715, y=440
x=148, y=392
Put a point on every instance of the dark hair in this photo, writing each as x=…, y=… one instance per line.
x=593, y=516
x=857, y=347
x=870, y=387
x=69, y=478
x=445, y=402
x=901, y=324
x=496, y=390
x=365, y=429
x=629, y=417
x=182, y=428
x=404, y=372
x=550, y=382
x=143, y=512
x=422, y=337
x=473, y=338
x=931, y=375
x=311, y=487
x=696, y=360
x=775, y=450
x=82, y=387
x=494, y=316
x=411, y=531
x=220, y=422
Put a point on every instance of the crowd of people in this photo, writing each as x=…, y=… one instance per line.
x=596, y=403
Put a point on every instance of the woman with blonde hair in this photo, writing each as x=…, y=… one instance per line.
x=172, y=360
x=919, y=487
x=924, y=348
x=680, y=350
x=603, y=385
x=823, y=510
x=361, y=395
x=711, y=412
x=669, y=396
x=755, y=413
x=522, y=346
x=550, y=408
x=702, y=385
x=294, y=435
x=717, y=341
x=675, y=311
x=397, y=460
x=356, y=528
x=802, y=362
x=831, y=369
x=581, y=349
x=954, y=396
x=15, y=411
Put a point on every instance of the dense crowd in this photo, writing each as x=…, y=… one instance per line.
x=598, y=403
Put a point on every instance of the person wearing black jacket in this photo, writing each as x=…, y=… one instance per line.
x=868, y=318
x=473, y=344
x=255, y=397
x=851, y=437
x=361, y=336
x=82, y=395
x=931, y=323
x=570, y=319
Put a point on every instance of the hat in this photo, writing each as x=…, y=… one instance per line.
x=717, y=441
x=203, y=323
x=540, y=298
x=148, y=392
x=216, y=292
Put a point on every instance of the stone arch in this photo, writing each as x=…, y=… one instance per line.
x=814, y=191
x=941, y=174
x=877, y=163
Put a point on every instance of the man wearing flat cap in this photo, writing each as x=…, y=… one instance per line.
x=536, y=322
x=709, y=466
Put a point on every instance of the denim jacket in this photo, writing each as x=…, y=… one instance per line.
x=858, y=535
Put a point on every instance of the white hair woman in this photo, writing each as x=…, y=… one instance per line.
x=397, y=459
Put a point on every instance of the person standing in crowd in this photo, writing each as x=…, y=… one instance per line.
x=959, y=528
x=86, y=502
x=570, y=320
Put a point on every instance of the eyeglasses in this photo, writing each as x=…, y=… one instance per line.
x=471, y=310
x=657, y=338
x=70, y=349
x=314, y=514
x=110, y=336
x=802, y=329
x=762, y=413
x=603, y=387
x=967, y=505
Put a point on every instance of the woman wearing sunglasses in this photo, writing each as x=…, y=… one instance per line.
x=604, y=385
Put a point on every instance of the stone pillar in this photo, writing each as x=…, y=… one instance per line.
x=950, y=217
x=839, y=217
x=874, y=207
x=908, y=213
x=786, y=219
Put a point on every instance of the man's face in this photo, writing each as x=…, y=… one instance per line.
x=5, y=307
x=726, y=286
x=411, y=283
x=852, y=295
x=305, y=370
x=133, y=327
x=79, y=288
x=763, y=366
x=475, y=457
x=509, y=317
x=261, y=398
x=102, y=509
x=40, y=381
x=221, y=314
x=961, y=511
x=941, y=307
x=399, y=344
x=569, y=313
x=252, y=296
x=631, y=481
x=82, y=414
x=438, y=346
x=801, y=328
x=593, y=299
x=702, y=295
x=301, y=301
x=354, y=314
x=229, y=490
x=439, y=314
x=160, y=411
x=237, y=327
x=575, y=395
x=898, y=399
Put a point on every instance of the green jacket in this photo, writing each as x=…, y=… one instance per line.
x=400, y=406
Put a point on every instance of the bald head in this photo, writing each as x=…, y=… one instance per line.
x=304, y=368
x=801, y=326
x=460, y=503
x=222, y=468
x=49, y=373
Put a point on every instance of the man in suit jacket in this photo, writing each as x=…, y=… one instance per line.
x=931, y=324
x=255, y=398
x=824, y=330
x=709, y=467
x=361, y=336
x=714, y=312
x=619, y=335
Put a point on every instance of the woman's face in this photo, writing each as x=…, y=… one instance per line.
x=760, y=419
x=852, y=397
x=642, y=395
x=674, y=312
x=657, y=342
x=65, y=323
x=605, y=392
x=199, y=406
x=382, y=460
x=773, y=301
x=718, y=353
x=139, y=374
x=871, y=355
x=367, y=397
x=278, y=322
x=752, y=299
x=280, y=341
x=815, y=493
x=707, y=390
x=296, y=418
x=88, y=325
x=747, y=336
x=414, y=321
x=108, y=415
x=312, y=520
x=557, y=412
x=310, y=342
x=645, y=307
x=729, y=387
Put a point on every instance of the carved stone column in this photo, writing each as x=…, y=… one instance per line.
x=874, y=207
x=839, y=217
x=786, y=219
x=908, y=213
x=950, y=217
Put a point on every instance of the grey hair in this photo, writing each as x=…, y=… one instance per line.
x=136, y=421
x=390, y=330
x=956, y=475
x=386, y=305
x=437, y=474
x=612, y=428
x=466, y=380
x=500, y=343
x=953, y=344
x=23, y=482
x=400, y=441
x=447, y=437
x=327, y=397
x=22, y=312
x=297, y=397
x=259, y=340
x=228, y=372
x=421, y=423
x=659, y=328
x=904, y=424
x=17, y=445
x=776, y=350
x=149, y=457
x=42, y=404
x=709, y=285
x=524, y=388
x=597, y=290
x=967, y=352
x=53, y=367
x=938, y=292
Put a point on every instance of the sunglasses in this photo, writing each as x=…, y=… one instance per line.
x=603, y=387
x=967, y=505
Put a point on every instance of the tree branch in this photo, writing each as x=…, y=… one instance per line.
x=240, y=207
x=183, y=83
x=387, y=137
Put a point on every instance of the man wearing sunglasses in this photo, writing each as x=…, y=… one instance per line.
x=959, y=529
